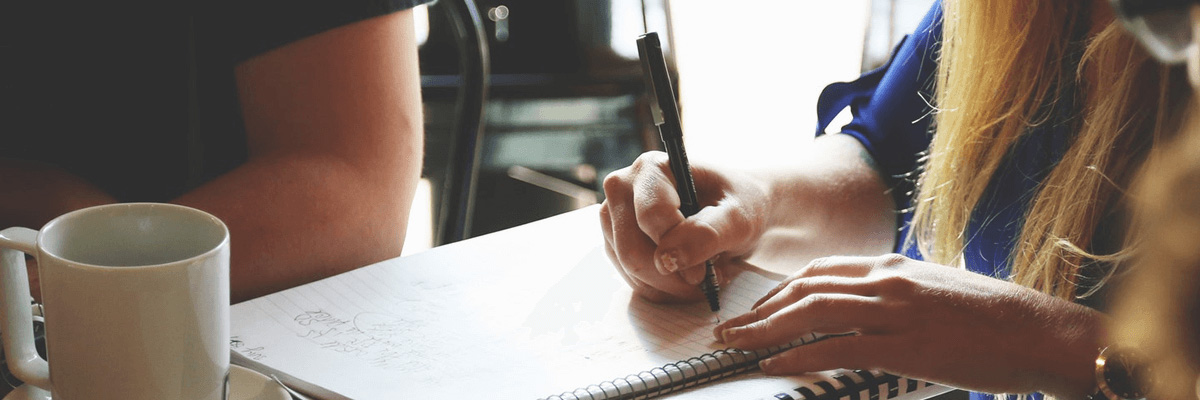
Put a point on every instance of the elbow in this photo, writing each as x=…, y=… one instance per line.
x=383, y=194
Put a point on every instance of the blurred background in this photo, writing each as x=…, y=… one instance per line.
x=565, y=101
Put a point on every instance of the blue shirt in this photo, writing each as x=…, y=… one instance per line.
x=892, y=117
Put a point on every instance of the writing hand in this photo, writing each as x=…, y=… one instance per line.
x=659, y=252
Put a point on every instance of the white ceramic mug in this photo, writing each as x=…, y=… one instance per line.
x=136, y=303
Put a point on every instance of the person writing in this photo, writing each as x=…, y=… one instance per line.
x=991, y=154
x=297, y=124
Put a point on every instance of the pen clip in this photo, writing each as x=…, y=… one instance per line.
x=643, y=41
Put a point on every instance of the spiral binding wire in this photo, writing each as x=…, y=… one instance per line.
x=672, y=377
x=678, y=375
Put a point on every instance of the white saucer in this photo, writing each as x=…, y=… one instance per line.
x=244, y=384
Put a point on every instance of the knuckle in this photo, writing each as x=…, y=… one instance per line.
x=705, y=232
x=658, y=213
x=895, y=284
x=740, y=222
x=649, y=159
x=819, y=303
x=815, y=266
x=741, y=216
x=792, y=288
x=615, y=184
x=765, y=324
x=891, y=260
x=757, y=314
x=751, y=321
x=779, y=287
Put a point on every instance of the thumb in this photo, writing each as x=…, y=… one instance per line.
x=718, y=229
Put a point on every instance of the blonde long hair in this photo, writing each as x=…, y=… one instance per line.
x=1001, y=63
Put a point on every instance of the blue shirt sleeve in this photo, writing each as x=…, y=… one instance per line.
x=891, y=106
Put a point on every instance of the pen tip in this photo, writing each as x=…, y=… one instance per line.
x=713, y=303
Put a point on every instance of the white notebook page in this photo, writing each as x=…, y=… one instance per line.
x=526, y=313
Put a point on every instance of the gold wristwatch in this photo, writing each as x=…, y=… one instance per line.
x=1120, y=375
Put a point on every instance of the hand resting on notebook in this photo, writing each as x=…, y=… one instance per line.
x=925, y=321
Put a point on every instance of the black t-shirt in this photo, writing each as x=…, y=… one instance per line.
x=138, y=97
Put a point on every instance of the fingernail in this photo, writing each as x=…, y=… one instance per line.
x=728, y=335
x=765, y=365
x=670, y=262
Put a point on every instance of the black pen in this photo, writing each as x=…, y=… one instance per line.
x=665, y=113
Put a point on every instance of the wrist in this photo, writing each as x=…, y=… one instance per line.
x=780, y=197
x=1068, y=354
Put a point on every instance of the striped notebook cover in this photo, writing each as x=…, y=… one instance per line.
x=721, y=364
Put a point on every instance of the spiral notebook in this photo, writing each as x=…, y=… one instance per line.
x=534, y=312
x=715, y=366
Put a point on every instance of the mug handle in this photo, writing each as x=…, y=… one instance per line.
x=17, y=328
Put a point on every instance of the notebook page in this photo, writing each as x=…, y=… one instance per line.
x=677, y=332
x=525, y=313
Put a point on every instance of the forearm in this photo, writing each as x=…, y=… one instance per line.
x=335, y=134
x=832, y=199
x=295, y=219
x=31, y=194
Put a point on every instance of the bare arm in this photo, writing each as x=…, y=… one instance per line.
x=31, y=194
x=831, y=201
x=334, y=130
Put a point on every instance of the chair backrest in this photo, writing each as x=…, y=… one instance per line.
x=454, y=200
